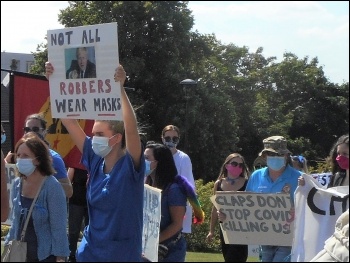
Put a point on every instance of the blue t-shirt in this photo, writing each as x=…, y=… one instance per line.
x=115, y=205
x=174, y=196
x=260, y=182
x=58, y=165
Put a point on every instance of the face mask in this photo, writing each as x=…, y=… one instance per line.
x=343, y=162
x=100, y=146
x=25, y=166
x=234, y=171
x=3, y=138
x=170, y=144
x=275, y=163
x=148, y=169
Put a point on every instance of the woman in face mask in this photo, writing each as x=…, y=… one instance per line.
x=233, y=176
x=114, y=159
x=339, y=158
x=46, y=233
x=176, y=190
x=339, y=162
x=277, y=177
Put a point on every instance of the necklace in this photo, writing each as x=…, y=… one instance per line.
x=232, y=180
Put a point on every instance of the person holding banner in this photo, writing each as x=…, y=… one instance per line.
x=116, y=184
x=277, y=177
x=339, y=157
x=5, y=207
x=339, y=161
x=46, y=233
x=233, y=176
x=175, y=191
x=300, y=163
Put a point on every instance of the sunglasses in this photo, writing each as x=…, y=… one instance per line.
x=235, y=164
x=173, y=139
x=34, y=129
x=274, y=154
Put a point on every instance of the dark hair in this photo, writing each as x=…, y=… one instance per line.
x=40, y=150
x=166, y=169
x=37, y=116
x=344, y=139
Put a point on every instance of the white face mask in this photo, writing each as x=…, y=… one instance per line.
x=25, y=166
x=100, y=145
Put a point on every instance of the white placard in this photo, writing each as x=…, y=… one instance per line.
x=95, y=95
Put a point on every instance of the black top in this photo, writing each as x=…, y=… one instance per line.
x=79, y=187
x=241, y=189
x=337, y=179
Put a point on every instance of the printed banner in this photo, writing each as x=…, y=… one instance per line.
x=255, y=218
x=151, y=222
x=82, y=85
x=30, y=94
x=316, y=211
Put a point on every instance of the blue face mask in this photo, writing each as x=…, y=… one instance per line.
x=25, y=166
x=148, y=169
x=3, y=138
x=275, y=163
x=100, y=145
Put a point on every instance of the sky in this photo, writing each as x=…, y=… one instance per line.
x=305, y=28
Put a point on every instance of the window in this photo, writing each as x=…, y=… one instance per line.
x=29, y=64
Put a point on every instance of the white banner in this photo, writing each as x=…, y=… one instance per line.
x=316, y=211
x=151, y=222
x=322, y=178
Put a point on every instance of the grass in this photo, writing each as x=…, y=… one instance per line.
x=198, y=257
x=210, y=257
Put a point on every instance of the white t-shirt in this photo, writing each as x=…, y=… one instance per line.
x=184, y=167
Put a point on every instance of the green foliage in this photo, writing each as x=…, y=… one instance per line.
x=196, y=241
x=40, y=57
x=241, y=96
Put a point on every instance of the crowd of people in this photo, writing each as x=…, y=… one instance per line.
x=111, y=189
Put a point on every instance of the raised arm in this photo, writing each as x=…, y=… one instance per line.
x=76, y=132
x=132, y=137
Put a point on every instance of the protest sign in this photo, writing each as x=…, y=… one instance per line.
x=151, y=222
x=10, y=170
x=84, y=59
x=255, y=218
x=316, y=211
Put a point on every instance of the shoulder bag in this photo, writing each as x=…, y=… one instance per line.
x=16, y=250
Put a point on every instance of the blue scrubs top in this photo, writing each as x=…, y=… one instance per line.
x=115, y=205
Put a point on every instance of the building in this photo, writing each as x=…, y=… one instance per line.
x=16, y=62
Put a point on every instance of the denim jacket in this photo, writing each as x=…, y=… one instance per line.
x=49, y=218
